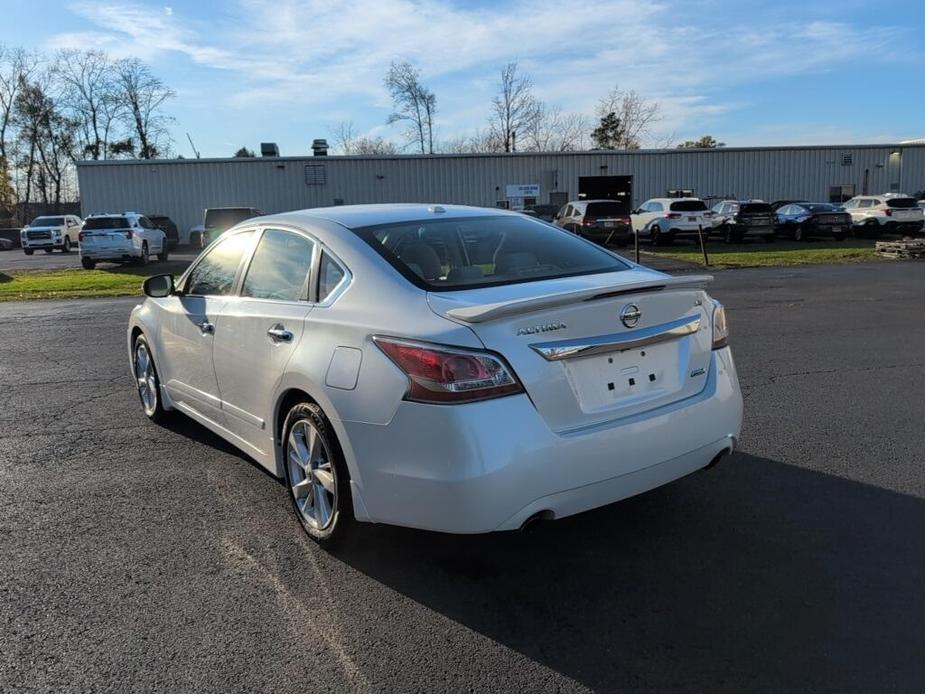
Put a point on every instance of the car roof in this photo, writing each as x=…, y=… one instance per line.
x=672, y=199
x=355, y=216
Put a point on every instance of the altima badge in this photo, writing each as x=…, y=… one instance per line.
x=544, y=328
x=630, y=315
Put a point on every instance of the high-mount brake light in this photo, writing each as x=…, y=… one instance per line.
x=446, y=375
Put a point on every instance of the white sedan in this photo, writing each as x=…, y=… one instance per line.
x=450, y=368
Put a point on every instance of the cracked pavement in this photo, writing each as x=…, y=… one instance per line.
x=135, y=558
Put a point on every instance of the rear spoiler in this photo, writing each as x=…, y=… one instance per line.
x=486, y=312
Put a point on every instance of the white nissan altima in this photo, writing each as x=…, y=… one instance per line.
x=451, y=368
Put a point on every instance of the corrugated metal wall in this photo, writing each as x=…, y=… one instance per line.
x=183, y=188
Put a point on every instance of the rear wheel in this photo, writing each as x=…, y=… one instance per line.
x=317, y=475
x=769, y=238
x=87, y=263
x=144, y=258
x=839, y=237
x=164, y=254
x=799, y=234
x=729, y=235
x=28, y=251
x=67, y=244
x=655, y=235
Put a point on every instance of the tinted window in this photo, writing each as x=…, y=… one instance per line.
x=214, y=274
x=757, y=207
x=472, y=252
x=329, y=276
x=279, y=268
x=865, y=203
x=47, y=222
x=902, y=203
x=106, y=223
x=605, y=209
x=655, y=207
x=688, y=206
x=820, y=207
x=223, y=219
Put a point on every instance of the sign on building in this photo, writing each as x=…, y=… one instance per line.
x=522, y=194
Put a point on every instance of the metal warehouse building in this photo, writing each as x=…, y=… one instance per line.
x=182, y=188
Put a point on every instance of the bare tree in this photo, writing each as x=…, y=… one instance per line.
x=514, y=108
x=413, y=102
x=348, y=141
x=144, y=96
x=16, y=67
x=552, y=130
x=477, y=143
x=634, y=113
x=90, y=92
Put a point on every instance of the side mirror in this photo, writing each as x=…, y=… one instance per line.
x=158, y=287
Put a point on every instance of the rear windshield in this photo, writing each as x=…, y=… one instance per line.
x=450, y=254
x=226, y=218
x=688, y=206
x=756, y=207
x=47, y=222
x=106, y=223
x=820, y=207
x=605, y=209
x=902, y=203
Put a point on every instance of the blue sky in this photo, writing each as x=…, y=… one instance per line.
x=749, y=73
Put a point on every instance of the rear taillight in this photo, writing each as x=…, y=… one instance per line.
x=588, y=222
x=623, y=220
x=673, y=215
x=81, y=235
x=438, y=374
x=707, y=214
x=720, y=328
x=128, y=234
x=888, y=212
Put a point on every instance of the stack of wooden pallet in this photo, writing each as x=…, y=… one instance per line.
x=913, y=248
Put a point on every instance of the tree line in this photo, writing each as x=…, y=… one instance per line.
x=75, y=104
x=517, y=120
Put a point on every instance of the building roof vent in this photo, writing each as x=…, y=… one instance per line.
x=320, y=147
x=269, y=149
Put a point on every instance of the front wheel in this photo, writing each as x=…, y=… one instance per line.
x=317, y=475
x=769, y=238
x=48, y=250
x=147, y=382
x=839, y=237
x=87, y=263
x=164, y=254
x=67, y=244
x=28, y=251
x=799, y=234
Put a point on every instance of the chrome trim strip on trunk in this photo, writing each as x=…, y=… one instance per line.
x=617, y=342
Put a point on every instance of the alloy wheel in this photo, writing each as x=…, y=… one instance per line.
x=147, y=381
x=311, y=474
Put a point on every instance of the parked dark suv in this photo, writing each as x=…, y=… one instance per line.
x=602, y=221
x=166, y=225
x=218, y=220
x=735, y=220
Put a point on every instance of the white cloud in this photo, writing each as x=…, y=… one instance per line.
x=323, y=53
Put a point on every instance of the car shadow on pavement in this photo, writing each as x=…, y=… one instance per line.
x=756, y=575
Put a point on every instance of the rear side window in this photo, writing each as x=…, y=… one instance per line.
x=450, y=254
x=688, y=206
x=605, y=209
x=756, y=207
x=106, y=223
x=330, y=275
x=902, y=203
x=214, y=274
x=280, y=266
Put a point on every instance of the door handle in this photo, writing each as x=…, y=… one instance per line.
x=207, y=328
x=278, y=333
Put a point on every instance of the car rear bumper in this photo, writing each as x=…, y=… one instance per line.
x=620, y=233
x=492, y=465
x=109, y=253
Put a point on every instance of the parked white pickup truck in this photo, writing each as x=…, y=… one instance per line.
x=50, y=232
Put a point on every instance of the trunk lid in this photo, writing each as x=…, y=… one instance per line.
x=579, y=362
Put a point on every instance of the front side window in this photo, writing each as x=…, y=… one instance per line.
x=280, y=266
x=471, y=252
x=214, y=274
x=330, y=275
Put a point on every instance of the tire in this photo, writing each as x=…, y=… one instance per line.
x=331, y=522
x=769, y=238
x=872, y=228
x=87, y=263
x=655, y=235
x=147, y=382
x=164, y=254
x=728, y=234
x=839, y=237
x=28, y=251
x=48, y=250
x=67, y=245
x=195, y=240
x=798, y=233
x=144, y=258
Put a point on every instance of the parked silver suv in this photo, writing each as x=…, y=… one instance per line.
x=891, y=213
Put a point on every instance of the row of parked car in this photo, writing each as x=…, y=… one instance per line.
x=124, y=237
x=661, y=220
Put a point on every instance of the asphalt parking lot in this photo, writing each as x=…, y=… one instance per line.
x=15, y=259
x=135, y=558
